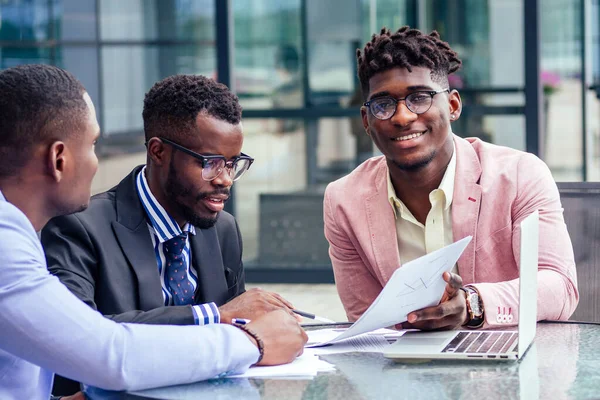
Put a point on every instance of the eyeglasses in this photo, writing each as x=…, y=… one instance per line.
x=213, y=166
x=417, y=102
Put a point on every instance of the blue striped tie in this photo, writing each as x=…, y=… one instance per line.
x=176, y=272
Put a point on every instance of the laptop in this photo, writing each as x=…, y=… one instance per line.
x=491, y=344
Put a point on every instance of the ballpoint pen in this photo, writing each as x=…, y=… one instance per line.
x=312, y=316
x=302, y=313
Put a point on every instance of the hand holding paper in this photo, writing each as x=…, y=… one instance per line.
x=448, y=314
x=416, y=285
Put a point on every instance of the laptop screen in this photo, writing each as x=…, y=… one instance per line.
x=528, y=269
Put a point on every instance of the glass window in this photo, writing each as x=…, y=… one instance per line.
x=342, y=145
x=75, y=19
x=83, y=63
x=268, y=57
x=334, y=37
x=157, y=20
x=128, y=72
x=25, y=20
x=280, y=213
x=13, y=56
x=593, y=97
x=392, y=14
x=332, y=40
x=561, y=80
x=469, y=26
x=503, y=130
x=280, y=167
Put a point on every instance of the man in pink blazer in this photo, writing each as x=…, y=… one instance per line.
x=431, y=188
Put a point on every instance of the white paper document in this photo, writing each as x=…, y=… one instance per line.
x=372, y=342
x=416, y=285
x=306, y=366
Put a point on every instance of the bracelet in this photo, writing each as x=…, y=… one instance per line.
x=261, y=345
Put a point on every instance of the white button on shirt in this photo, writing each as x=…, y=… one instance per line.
x=414, y=238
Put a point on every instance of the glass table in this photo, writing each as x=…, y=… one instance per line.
x=562, y=363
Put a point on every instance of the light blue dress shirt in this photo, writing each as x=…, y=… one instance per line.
x=45, y=329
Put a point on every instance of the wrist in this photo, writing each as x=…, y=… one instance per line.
x=254, y=338
x=226, y=318
x=474, y=308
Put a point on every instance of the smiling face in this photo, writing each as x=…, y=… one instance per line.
x=412, y=141
x=188, y=196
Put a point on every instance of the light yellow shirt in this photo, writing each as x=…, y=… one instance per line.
x=416, y=240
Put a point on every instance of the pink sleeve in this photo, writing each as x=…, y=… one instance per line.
x=557, y=278
x=356, y=285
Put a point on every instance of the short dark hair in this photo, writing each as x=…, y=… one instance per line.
x=406, y=48
x=38, y=103
x=172, y=105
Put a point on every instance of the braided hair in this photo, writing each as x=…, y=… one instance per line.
x=406, y=48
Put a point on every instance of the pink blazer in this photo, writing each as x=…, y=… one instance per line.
x=495, y=188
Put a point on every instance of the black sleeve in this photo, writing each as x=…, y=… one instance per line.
x=230, y=240
x=72, y=257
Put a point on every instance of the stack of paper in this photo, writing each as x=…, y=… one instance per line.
x=306, y=366
x=372, y=342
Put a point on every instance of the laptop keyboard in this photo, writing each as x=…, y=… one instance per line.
x=482, y=342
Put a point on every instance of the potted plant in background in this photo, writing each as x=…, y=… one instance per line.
x=550, y=85
x=550, y=82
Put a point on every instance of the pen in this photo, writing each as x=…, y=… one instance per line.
x=312, y=316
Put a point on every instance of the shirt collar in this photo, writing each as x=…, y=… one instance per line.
x=164, y=225
x=447, y=183
x=392, y=198
x=446, y=186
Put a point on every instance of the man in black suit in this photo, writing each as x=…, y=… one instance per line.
x=121, y=257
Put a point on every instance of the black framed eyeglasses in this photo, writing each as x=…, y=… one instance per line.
x=213, y=165
x=417, y=102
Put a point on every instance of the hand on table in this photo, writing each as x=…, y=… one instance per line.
x=253, y=304
x=283, y=337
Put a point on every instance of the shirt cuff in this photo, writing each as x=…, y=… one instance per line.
x=205, y=314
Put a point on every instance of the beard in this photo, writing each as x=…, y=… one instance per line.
x=415, y=165
x=178, y=191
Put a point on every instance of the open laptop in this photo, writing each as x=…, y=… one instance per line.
x=484, y=345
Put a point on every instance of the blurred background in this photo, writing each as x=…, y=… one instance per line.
x=530, y=80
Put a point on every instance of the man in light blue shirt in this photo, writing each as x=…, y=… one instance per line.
x=48, y=130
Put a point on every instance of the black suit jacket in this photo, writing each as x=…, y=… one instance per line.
x=104, y=255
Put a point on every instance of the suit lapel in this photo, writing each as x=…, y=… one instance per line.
x=208, y=263
x=382, y=227
x=465, y=205
x=131, y=231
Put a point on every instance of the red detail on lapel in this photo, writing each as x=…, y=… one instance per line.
x=472, y=199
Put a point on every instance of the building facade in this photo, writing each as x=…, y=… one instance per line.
x=528, y=81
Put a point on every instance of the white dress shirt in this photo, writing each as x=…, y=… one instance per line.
x=45, y=329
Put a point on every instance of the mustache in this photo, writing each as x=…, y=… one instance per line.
x=206, y=195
